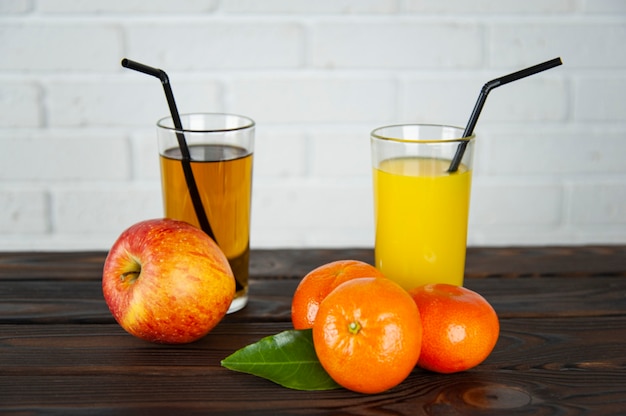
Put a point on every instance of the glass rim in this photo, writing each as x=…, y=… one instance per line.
x=249, y=123
x=376, y=135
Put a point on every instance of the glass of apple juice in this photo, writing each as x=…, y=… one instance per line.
x=420, y=207
x=220, y=149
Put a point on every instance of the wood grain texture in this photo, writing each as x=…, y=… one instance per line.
x=562, y=348
x=82, y=302
x=537, y=367
x=295, y=263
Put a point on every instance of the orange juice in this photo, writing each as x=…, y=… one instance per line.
x=224, y=178
x=421, y=214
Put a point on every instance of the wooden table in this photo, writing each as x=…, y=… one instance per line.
x=562, y=347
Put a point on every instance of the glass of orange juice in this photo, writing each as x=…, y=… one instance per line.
x=420, y=207
x=221, y=149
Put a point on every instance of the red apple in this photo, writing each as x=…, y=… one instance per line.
x=166, y=281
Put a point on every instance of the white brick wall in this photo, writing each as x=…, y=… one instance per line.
x=78, y=152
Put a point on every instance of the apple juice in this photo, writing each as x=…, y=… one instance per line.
x=223, y=175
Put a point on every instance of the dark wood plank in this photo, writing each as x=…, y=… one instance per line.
x=51, y=266
x=295, y=263
x=481, y=261
x=66, y=266
x=561, y=349
x=556, y=366
x=58, y=302
x=546, y=261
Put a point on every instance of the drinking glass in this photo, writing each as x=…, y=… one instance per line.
x=221, y=150
x=420, y=208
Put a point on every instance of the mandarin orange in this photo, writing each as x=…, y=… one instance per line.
x=367, y=334
x=318, y=283
x=460, y=327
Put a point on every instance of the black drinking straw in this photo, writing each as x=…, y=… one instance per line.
x=182, y=143
x=482, y=97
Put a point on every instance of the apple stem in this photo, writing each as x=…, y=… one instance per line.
x=132, y=274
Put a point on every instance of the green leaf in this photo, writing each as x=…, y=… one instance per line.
x=287, y=358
